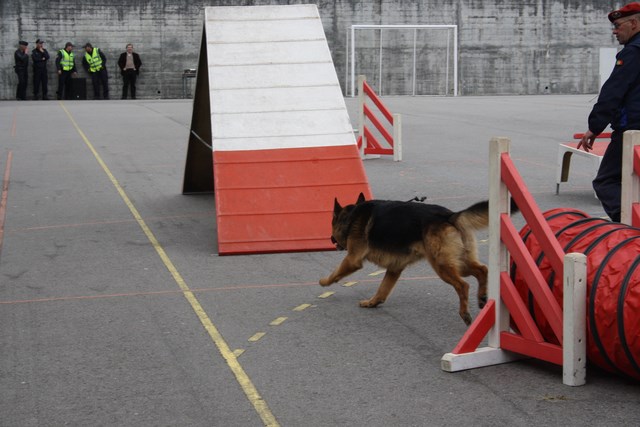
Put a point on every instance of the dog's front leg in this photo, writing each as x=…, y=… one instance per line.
x=386, y=286
x=348, y=265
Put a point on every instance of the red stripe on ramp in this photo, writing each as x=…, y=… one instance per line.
x=281, y=200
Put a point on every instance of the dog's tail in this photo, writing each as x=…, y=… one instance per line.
x=476, y=217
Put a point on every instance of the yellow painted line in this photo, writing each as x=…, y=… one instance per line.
x=255, y=337
x=349, y=284
x=326, y=295
x=302, y=307
x=238, y=352
x=279, y=321
x=242, y=378
x=377, y=273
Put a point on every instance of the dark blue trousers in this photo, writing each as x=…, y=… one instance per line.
x=608, y=182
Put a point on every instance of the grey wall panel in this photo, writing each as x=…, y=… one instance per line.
x=506, y=46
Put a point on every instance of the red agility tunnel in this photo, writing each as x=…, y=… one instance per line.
x=613, y=285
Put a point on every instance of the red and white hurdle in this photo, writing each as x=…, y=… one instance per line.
x=369, y=145
x=504, y=302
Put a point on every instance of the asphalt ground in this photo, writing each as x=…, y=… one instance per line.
x=115, y=308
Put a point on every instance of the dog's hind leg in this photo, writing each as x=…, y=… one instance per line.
x=473, y=267
x=479, y=271
x=449, y=274
x=349, y=264
x=386, y=286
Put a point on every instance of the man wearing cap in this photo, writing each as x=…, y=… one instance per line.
x=21, y=57
x=619, y=105
x=66, y=66
x=95, y=62
x=40, y=58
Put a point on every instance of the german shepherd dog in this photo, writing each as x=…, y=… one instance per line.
x=394, y=234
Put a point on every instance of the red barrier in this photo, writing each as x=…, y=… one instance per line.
x=562, y=340
x=598, y=284
x=372, y=146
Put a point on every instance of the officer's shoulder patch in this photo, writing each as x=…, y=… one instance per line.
x=619, y=62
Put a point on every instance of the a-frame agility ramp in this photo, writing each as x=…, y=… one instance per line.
x=270, y=133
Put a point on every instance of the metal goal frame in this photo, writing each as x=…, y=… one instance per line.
x=351, y=52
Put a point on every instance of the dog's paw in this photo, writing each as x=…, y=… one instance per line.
x=482, y=301
x=466, y=317
x=325, y=282
x=369, y=303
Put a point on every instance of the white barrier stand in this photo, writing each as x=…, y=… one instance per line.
x=498, y=254
x=397, y=138
x=574, y=346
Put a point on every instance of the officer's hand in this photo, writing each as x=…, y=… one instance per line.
x=586, y=142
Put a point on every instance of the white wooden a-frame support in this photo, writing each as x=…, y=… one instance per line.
x=574, y=310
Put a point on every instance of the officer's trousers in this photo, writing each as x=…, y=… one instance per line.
x=21, y=91
x=608, y=182
x=40, y=78
x=100, y=79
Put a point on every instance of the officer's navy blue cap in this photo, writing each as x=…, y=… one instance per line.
x=23, y=43
x=626, y=10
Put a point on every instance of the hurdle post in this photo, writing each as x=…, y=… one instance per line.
x=630, y=197
x=498, y=254
x=361, y=101
x=397, y=138
x=574, y=346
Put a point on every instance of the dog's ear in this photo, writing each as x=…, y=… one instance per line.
x=336, y=207
x=360, y=199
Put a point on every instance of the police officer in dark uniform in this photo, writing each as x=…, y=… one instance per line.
x=40, y=58
x=21, y=57
x=619, y=105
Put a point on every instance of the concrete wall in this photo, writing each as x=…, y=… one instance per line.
x=506, y=46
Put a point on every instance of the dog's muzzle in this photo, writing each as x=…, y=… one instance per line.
x=335, y=242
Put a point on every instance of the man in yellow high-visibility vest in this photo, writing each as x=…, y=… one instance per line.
x=66, y=66
x=94, y=62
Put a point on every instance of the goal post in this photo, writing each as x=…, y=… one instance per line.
x=433, y=60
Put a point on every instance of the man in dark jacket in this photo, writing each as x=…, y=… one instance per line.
x=619, y=105
x=95, y=63
x=129, y=63
x=21, y=57
x=40, y=58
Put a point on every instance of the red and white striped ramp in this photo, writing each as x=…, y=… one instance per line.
x=283, y=147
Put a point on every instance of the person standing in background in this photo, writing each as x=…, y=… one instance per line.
x=40, y=58
x=619, y=105
x=129, y=63
x=66, y=66
x=21, y=57
x=95, y=63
